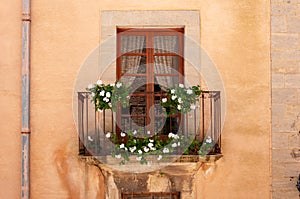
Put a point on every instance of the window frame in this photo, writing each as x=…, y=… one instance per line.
x=150, y=54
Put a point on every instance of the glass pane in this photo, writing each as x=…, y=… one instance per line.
x=166, y=64
x=133, y=64
x=164, y=82
x=160, y=127
x=158, y=109
x=137, y=105
x=133, y=44
x=138, y=124
x=129, y=124
x=136, y=84
x=125, y=124
x=166, y=44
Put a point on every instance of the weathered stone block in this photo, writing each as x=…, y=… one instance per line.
x=278, y=110
x=290, y=9
x=294, y=141
x=288, y=55
x=280, y=140
x=285, y=41
x=298, y=11
x=284, y=9
x=283, y=125
x=292, y=169
x=285, y=194
x=278, y=24
x=282, y=155
x=292, y=110
x=292, y=81
x=283, y=66
x=278, y=169
x=277, y=81
x=284, y=95
x=284, y=183
x=293, y=24
x=277, y=9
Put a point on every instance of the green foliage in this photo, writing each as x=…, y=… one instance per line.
x=155, y=145
x=108, y=96
x=181, y=99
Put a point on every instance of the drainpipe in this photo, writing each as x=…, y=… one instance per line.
x=25, y=185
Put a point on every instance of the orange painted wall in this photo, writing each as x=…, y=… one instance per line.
x=234, y=33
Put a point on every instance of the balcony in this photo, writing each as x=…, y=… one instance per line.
x=201, y=127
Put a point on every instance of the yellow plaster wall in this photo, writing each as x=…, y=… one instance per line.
x=234, y=33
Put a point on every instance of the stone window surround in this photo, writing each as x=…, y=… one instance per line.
x=111, y=19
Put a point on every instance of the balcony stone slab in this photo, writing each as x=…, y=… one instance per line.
x=173, y=174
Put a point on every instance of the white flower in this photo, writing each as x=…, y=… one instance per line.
x=90, y=138
x=93, y=94
x=193, y=107
x=172, y=91
x=134, y=132
x=140, y=151
x=132, y=149
x=150, y=145
x=119, y=84
x=178, y=143
x=174, y=97
x=108, y=94
x=181, y=85
x=189, y=91
x=150, y=140
x=109, y=104
x=171, y=135
x=112, y=84
x=166, y=150
x=159, y=157
x=118, y=156
x=99, y=110
x=99, y=82
x=122, y=146
x=108, y=135
x=179, y=100
x=146, y=149
x=208, y=139
x=174, y=145
x=164, y=100
x=126, y=149
x=123, y=134
x=102, y=93
x=179, y=107
x=105, y=99
x=138, y=158
x=153, y=148
x=90, y=86
x=176, y=136
x=148, y=132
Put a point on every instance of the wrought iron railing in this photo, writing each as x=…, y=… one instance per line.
x=202, y=122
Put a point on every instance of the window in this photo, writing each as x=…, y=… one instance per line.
x=149, y=195
x=149, y=61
